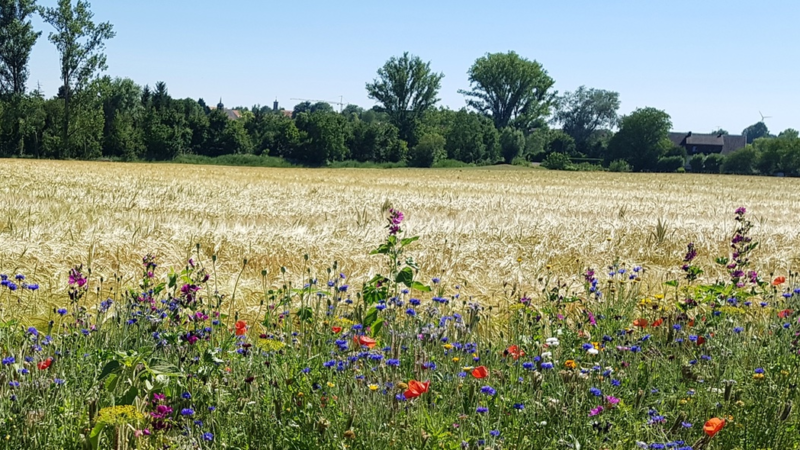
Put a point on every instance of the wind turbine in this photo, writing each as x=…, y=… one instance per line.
x=763, y=117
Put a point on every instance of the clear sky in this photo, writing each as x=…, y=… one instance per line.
x=707, y=63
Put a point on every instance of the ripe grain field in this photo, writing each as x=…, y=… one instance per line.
x=486, y=229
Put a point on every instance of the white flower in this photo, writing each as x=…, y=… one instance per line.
x=592, y=351
x=546, y=355
x=553, y=342
x=559, y=332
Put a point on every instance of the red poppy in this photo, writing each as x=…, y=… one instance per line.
x=641, y=323
x=657, y=323
x=480, y=372
x=515, y=352
x=416, y=388
x=778, y=281
x=713, y=426
x=785, y=313
x=365, y=341
x=42, y=365
x=336, y=330
x=241, y=328
x=701, y=340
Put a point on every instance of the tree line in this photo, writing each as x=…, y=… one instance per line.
x=512, y=115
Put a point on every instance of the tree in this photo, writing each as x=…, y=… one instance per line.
x=789, y=133
x=323, y=136
x=740, y=162
x=512, y=90
x=428, y=151
x=720, y=132
x=642, y=139
x=560, y=142
x=405, y=88
x=584, y=111
x=512, y=142
x=472, y=138
x=376, y=141
x=17, y=38
x=80, y=42
x=755, y=131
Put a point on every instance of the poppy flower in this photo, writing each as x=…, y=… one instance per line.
x=713, y=426
x=336, y=330
x=778, y=281
x=657, y=323
x=785, y=313
x=641, y=323
x=43, y=365
x=241, y=328
x=365, y=341
x=701, y=340
x=416, y=388
x=515, y=352
x=480, y=372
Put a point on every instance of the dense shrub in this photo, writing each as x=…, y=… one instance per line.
x=696, y=163
x=428, y=151
x=557, y=161
x=619, y=165
x=669, y=164
x=741, y=162
x=713, y=163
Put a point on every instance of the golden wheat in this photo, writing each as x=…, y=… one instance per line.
x=486, y=229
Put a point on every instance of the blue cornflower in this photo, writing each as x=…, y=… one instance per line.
x=495, y=433
x=482, y=409
x=33, y=331
x=596, y=392
x=527, y=365
x=208, y=436
x=187, y=412
x=759, y=370
x=58, y=381
x=547, y=365
x=8, y=360
x=519, y=406
x=616, y=383
x=488, y=390
x=414, y=301
x=411, y=312
x=393, y=362
x=61, y=311
x=13, y=384
x=186, y=396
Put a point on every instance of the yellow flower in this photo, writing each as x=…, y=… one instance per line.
x=659, y=296
x=456, y=359
x=758, y=376
x=373, y=387
x=570, y=364
x=402, y=385
x=119, y=415
x=448, y=346
x=596, y=345
x=331, y=384
x=467, y=369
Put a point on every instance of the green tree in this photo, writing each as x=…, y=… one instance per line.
x=405, y=88
x=429, y=150
x=512, y=142
x=560, y=142
x=696, y=162
x=585, y=111
x=512, y=90
x=122, y=111
x=80, y=43
x=322, y=138
x=472, y=138
x=713, y=163
x=740, y=162
x=17, y=38
x=756, y=131
x=790, y=133
x=642, y=139
x=720, y=132
x=376, y=141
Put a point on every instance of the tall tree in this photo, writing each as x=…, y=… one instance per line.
x=755, y=131
x=642, y=139
x=405, y=88
x=586, y=110
x=17, y=38
x=80, y=42
x=511, y=89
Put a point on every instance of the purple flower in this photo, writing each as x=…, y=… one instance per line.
x=482, y=409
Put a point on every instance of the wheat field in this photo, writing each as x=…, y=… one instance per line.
x=486, y=229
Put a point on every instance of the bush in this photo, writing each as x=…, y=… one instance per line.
x=557, y=161
x=588, y=167
x=669, y=164
x=451, y=163
x=619, y=165
x=353, y=164
x=234, y=160
x=740, y=162
x=428, y=151
x=713, y=163
x=511, y=144
x=520, y=161
x=696, y=163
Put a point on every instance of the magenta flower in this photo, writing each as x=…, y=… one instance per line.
x=612, y=400
x=595, y=411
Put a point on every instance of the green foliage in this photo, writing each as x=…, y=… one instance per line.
x=669, y=164
x=696, y=163
x=756, y=131
x=323, y=137
x=354, y=164
x=17, y=38
x=740, y=162
x=713, y=163
x=234, y=160
x=450, y=164
x=472, y=138
x=620, y=165
x=557, y=161
x=512, y=90
x=585, y=111
x=560, y=142
x=377, y=142
x=512, y=142
x=642, y=139
x=405, y=88
x=429, y=150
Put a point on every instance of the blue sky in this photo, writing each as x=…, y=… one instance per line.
x=707, y=63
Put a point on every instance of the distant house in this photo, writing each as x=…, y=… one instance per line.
x=233, y=114
x=695, y=143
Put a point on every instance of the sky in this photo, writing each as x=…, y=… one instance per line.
x=707, y=63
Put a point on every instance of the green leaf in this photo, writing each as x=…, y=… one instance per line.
x=420, y=287
x=108, y=369
x=111, y=382
x=305, y=314
x=129, y=396
x=673, y=283
x=371, y=317
x=94, y=436
x=382, y=249
x=376, y=327
x=405, y=276
x=407, y=241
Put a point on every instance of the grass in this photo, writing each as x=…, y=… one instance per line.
x=234, y=160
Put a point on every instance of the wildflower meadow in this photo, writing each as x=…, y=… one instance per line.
x=398, y=361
